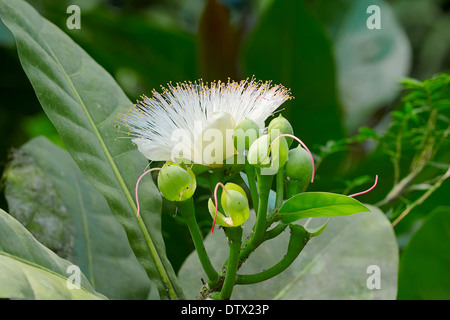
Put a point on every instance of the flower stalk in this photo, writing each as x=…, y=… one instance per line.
x=250, y=172
x=298, y=240
x=234, y=235
x=187, y=210
x=264, y=184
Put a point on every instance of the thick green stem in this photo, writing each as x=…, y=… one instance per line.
x=299, y=238
x=234, y=235
x=187, y=210
x=264, y=185
x=274, y=232
x=279, y=188
x=250, y=172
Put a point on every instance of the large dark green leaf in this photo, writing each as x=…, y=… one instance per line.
x=425, y=262
x=47, y=192
x=289, y=46
x=82, y=101
x=318, y=204
x=28, y=270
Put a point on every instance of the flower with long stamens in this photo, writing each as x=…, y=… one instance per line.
x=194, y=122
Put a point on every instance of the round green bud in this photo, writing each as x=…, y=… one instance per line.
x=267, y=154
x=175, y=182
x=234, y=204
x=298, y=170
x=245, y=134
x=283, y=125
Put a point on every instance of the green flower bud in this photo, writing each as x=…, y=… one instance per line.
x=175, y=182
x=234, y=204
x=298, y=170
x=245, y=134
x=282, y=124
x=267, y=154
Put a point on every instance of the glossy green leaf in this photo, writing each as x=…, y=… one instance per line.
x=82, y=100
x=47, y=192
x=29, y=270
x=333, y=265
x=318, y=204
x=424, y=264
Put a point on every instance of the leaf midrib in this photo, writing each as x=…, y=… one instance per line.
x=312, y=209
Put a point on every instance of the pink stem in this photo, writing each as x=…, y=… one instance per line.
x=363, y=192
x=303, y=145
x=137, y=186
x=216, y=203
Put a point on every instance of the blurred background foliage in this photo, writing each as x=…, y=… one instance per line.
x=343, y=75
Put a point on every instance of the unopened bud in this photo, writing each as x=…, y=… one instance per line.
x=245, y=134
x=234, y=204
x=176, y=183
x=283, y=125
x=268, y=151
x=298, y=170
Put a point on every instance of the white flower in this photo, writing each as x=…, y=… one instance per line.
x=189, y=120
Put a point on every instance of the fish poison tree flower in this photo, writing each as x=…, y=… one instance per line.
x=194, y=122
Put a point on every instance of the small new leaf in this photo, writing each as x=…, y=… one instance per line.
x=318, y=204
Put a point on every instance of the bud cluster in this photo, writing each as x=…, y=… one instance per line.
x=267, y=152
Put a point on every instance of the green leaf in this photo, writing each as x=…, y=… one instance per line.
x=411, y=83
x=22, y=280
x=332, y=266
x=318, y=204
x=82, y=100
x=424, y=264
x=29, y=270
x=47, y=192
